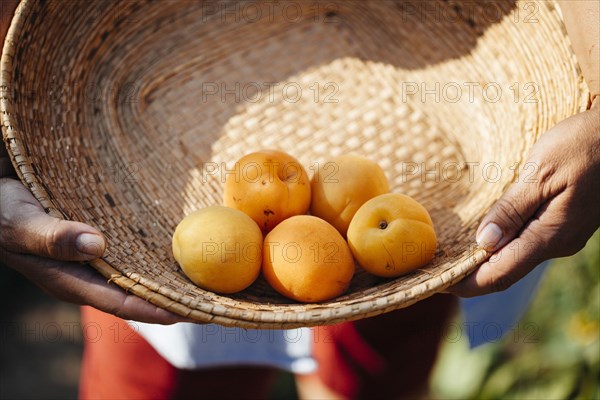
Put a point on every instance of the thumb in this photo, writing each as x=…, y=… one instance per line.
x=508, y=215
x=27, y=229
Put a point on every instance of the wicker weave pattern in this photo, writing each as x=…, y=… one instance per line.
x=111, y=117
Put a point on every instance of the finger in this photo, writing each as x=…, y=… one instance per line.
x=81, y=284
x=509, y=215
x=27, y=229
x=509, y=265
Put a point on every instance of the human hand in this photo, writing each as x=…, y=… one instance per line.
x=51, y=252
x=551, y=214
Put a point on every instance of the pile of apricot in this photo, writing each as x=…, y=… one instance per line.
x=263, y=226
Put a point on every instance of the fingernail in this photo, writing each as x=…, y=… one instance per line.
x=90, y=244
x=489, y=237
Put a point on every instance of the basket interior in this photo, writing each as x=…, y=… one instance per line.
x=131, y=115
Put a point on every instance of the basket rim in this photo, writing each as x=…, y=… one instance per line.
x=262, y=319
x=285, y=318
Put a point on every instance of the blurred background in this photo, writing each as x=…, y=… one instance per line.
x=553, y=353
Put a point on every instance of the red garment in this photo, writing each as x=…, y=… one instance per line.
x=118, y=363
x=385, y=357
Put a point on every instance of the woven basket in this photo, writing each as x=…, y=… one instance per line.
x=127, y=115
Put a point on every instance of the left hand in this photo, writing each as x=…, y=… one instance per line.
x=551, y=214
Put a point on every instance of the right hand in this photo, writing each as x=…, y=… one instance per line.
x=51, y=252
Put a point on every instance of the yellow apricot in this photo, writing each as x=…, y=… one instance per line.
x=341, y=185
x=219, y=249
x=269, y=186
x=391, y=235
x=306, y=259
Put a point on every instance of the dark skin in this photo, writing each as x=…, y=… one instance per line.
x=553, y=217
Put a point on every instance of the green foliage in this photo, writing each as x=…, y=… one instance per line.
x=554, y=353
